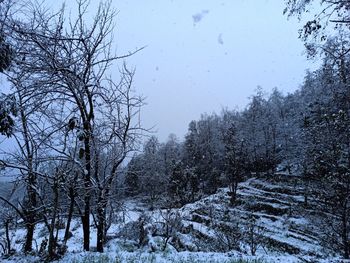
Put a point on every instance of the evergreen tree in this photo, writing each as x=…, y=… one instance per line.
x=132, y=177
x=178, y=184
x=235, y=159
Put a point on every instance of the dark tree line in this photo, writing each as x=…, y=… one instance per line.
x=220, y=150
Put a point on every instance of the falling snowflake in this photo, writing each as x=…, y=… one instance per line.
x=198, y=17
x=220, y=40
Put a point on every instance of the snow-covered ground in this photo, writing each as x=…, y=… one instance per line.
x=172, y=257
x=201, y=229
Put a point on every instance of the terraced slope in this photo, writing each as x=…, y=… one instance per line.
x=269, y=215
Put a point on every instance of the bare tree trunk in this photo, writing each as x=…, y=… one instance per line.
x=233, y=192
x=8, y=240
x=29, y=237
x=104, y=195
x=86, y=227
x=30, y=213
x=52, y=240
x=101, y=224
x=70, y=214
x=345, y=240
x=87, y=186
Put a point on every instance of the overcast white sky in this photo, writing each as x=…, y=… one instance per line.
x=203, y=55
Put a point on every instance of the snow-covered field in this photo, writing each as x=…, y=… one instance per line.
x=172, y=257
x=201, y=231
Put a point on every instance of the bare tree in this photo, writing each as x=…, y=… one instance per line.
x=61, y=69
x=118, y=135
x=7, y=219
